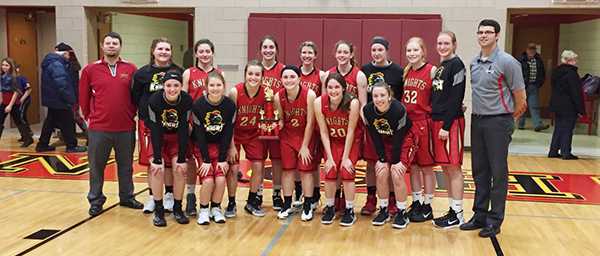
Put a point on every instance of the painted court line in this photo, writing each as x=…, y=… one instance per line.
x=20, y=191
x=279, y=234
x=62, y=232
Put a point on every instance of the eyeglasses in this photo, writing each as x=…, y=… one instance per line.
x=487, y=33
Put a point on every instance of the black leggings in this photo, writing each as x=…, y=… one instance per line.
x=14, y=112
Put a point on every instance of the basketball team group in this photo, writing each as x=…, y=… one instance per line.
x=397, y=119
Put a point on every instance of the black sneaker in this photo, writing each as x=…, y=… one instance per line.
x=230, y=210
x=349, y=218
x=46, y=148
x=401, y=220
x=190, y=205
x=277, y=203
x=449, y=220
x=329, y=215
x=76, y=149
x=427, y=212
x=180, y=217
x=382, y=218
x=254, y=210
x=415, y=212
x=159, y=217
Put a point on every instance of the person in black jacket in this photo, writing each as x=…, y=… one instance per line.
x=59, y=97
x=534, y=76
x=567, y=104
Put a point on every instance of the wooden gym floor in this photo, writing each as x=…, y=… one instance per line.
x=553, y=209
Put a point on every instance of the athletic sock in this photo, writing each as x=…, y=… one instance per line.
x=428, y=199
x=150, y=191
x=260, y=190
x=168, y=189
x=401, y=205
x=251, y=198
x=158, y=203
x=317, y=192
x=457, y=205
x=384, y=202
x=191, y=188
x=371, y=190
x=329, y=202
x=177, y=205
x=349, y=204
x=215, y=205
x=232, y=199
x=203, y=206
x=298, y=187
x=416, y=196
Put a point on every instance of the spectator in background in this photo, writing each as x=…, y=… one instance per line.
x=58, y=96
x=534, y=76
x=567, y=104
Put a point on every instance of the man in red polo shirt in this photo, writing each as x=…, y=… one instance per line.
x=104, y=96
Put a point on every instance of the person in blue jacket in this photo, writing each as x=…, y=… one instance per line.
x=58, y=96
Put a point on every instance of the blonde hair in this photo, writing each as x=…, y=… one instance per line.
x=568, y=55
x=451, y=35
x=421, y=43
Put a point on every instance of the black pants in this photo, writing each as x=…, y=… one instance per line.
x=63, y=120
x=563, y=134
x=490, y=136
x=14, y=112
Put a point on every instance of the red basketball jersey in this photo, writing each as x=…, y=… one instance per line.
x=248, y=109
x=272, y=77
x=197, y=86
x=417, y=92
x=312, y=80
x=350, y=78
x=294, y=113
x=337, y=122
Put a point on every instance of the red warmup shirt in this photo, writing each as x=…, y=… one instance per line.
x=350, y=77
x=105, y=98
x=197, y=86
x=417, y=92
x=272, y=77
x=312, y=80
x=248, y=109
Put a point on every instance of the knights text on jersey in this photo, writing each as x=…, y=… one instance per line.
x=197, y=86
x=350, y=77
x=272, y=77
x=417, y=92
x=248, y=108
x=312, y=80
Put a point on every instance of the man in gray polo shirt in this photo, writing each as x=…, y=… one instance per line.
x=498, y=100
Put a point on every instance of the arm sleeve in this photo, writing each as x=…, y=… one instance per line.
x=457, y=95
x=575, y=90
x=64, y=87
x=227, y=134
x=156, y=132
x=137, y=89
x=84, y=93
x=375, y=136
x=200, y=133
x=403, y=126
x=183, y=131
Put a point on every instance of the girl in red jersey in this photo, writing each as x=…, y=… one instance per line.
x=146, y=81
x=249, y=97
x=338, y=115
x=449, y=126
x=417, y=100
x=311, y=77
x=356, y=82
x=213, y=129
x=194, y=80
x=295, y=105
x=269, y=49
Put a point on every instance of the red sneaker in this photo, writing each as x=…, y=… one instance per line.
x=370, y=206
x=392, y=209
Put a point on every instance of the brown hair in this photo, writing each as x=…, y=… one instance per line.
x=14, y=77
x=269, y=37
x=351, y=46
x=153, y=46
x=347, y=96
x=452, y=36
x=203, y=41
x=385, y=86
x=310, y=44
x=216, y=75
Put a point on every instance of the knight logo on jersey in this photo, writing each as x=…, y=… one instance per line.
x=383, y=127
x=437, y=83
x=169, y=119
x=373, y=79
x=156, y=83
x=213, y=122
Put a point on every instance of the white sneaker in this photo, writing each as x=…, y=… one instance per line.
x=217, y=215
x=284, y=213
x=169, y=201
x=150, y=205
x=306, y=216
x=297, y=200
x=204, y=216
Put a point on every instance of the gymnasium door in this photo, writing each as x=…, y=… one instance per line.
x=547, y=38
x=22, y=46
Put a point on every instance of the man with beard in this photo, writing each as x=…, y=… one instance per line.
x=104, y=96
